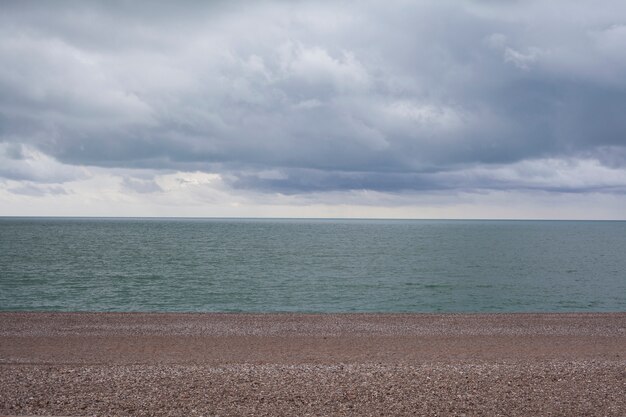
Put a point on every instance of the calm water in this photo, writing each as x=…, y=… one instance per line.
x=311, y=265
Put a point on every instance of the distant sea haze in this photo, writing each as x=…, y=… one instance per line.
x=245, y=265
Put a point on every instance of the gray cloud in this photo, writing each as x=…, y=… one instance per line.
x=141, y=186
x=37, y=190
x=332, y=96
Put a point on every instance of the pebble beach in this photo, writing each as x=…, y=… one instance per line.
x=101, y=364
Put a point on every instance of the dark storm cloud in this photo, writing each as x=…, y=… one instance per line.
x=336, y=96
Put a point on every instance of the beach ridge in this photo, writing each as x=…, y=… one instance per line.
x=315, y=364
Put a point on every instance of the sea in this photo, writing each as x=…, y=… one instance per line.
x=311, y=265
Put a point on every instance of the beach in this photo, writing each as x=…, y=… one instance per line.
x=312, y=364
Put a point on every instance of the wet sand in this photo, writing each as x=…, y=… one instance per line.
x=299, y=364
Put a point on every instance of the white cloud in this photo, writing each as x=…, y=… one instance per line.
x=426, y=115
x=314, y=65
x=522, y=60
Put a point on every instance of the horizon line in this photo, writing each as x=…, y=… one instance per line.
x=304, y=218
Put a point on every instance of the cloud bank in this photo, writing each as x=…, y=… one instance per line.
x=302, y=104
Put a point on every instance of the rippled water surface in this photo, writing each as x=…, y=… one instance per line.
x=311, y=265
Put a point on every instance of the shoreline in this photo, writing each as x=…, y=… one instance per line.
x=318, y=364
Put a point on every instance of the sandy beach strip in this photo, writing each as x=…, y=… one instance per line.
x=312, y=364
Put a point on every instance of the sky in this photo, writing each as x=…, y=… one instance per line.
x=395, y=109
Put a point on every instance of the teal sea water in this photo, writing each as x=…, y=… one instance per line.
x=62, y=264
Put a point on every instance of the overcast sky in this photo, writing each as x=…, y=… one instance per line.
x=426, y=109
